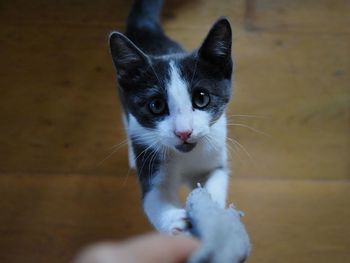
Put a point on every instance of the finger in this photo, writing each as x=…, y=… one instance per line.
x=150, y=248
x=161, y=248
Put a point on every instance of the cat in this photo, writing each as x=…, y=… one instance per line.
x=174, y=106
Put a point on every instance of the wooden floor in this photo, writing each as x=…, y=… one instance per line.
x=60, y=117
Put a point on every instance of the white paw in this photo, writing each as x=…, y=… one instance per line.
x=174, y=222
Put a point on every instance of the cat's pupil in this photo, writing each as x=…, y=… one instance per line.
x=201, y=99
x=157, y=106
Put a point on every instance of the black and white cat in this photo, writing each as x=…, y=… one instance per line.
x=174, y=111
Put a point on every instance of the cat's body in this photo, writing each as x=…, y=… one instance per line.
x=174, y=111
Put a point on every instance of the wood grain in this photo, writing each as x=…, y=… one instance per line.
x=61, y=187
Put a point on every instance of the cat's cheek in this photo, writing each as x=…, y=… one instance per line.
x=166, y=132
x=201, y=123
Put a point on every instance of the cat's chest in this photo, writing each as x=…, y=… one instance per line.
x=203, y=159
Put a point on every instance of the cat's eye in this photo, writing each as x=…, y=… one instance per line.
x=157, y=106
x=200, y=99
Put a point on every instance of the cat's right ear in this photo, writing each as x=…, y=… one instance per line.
x=128, y=59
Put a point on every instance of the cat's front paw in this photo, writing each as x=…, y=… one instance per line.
x=174, y=222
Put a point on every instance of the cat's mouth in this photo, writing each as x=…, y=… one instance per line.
x=186, y=147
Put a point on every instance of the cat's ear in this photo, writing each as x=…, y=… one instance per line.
x=216, y=47
x=128, y=58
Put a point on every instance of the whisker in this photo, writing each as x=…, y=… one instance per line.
x=154, y=153
x=247, y=115
x=142, y=139
x=229, y=149
x=126, y=177
x=211, y=141
x=153, y=159
x=236, y=151
x=248, y=127
x=155, y=73
x=150, y=146
x=157, y=153
x=143, y=152
x=207, y=141
x=164, y=151
x=116, y=148
x=118, y=144
x=143, y=135
x=240, y=146
x=148, y=156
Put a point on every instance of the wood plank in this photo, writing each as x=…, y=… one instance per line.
x=299, y=90
x=296, y=220
x=48, y=218
x=60, y=117
x=302, y=16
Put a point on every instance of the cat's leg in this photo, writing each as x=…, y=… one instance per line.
x=217, y=184
x=162, y=207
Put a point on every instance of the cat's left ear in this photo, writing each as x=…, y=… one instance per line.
x=216, y=47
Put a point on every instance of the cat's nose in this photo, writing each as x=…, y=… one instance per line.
x=183, y=135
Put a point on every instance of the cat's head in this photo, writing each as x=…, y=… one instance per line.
x=174, y=100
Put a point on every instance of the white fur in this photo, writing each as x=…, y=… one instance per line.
x=206, y=163
x=182, y=116
x=163, y=209
x=131, y=155
x=140, y=134
x=217, y=181
x=179, y=102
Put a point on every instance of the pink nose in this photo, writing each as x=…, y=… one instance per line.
x=183, y=135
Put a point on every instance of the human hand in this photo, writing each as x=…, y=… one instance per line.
x=150, y=248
